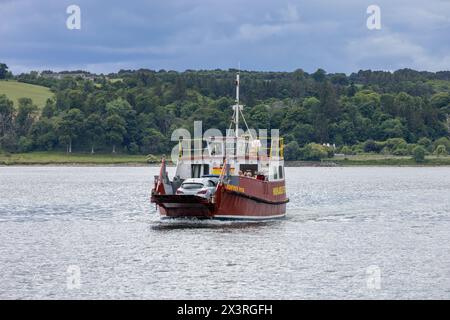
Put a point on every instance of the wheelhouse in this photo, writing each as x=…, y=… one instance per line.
x=254, y=158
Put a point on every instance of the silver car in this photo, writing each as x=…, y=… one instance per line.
x=202, y=187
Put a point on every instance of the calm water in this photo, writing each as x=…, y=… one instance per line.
x=350, y=233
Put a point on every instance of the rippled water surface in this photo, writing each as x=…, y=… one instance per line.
x=350, y=233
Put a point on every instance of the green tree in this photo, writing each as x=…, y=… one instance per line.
x=396, y=146
x=26, y=115
x=291, y=151
x=419, y=154
x=259, y=117
x=387, y=103
x=179, y=89
x=303, y=133
x=346, y=150
x=372, y=146
x=124, y=110
x=118, y=106
x=367, y=101
x=49, y=109
x=298, y=114
x=44, y=133
x=70, y=127
x=115, y=130
x=441, y=100
x=314, y=151
x=24, y=144
x=392, y=128
x=6, y=115
x=352, y=90
x=442, y=141
x=324, y=113
x=3, y=71
x=339, y=79
x=425, y=142
x=401, y=150
x=440, y=150
x=94, y=130
x=7, y=135
x=320, y=75
x=153, y=141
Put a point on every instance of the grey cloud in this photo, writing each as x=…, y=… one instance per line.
x=262, y=34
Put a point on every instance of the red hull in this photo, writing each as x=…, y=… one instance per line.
x=236, y=206
x=248, y=198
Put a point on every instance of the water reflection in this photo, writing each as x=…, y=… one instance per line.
x=189, y=223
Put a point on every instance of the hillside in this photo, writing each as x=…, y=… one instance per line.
x=15, y=90
x=401, y=113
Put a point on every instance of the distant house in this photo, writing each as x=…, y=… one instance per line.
x=329, y=145
x=72, y=74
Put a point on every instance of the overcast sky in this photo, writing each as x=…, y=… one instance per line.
x=209, y=34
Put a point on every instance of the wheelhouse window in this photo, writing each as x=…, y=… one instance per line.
x=215, y=148
x=242, y=147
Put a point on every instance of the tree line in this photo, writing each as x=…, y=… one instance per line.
x=135, y=111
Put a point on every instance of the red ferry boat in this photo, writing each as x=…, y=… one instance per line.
x=239, y=178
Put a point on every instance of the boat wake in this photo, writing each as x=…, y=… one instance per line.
x=192, y=223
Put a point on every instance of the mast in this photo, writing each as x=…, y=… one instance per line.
x=237, y=107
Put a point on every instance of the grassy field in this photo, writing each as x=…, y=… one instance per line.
x=62, y=158
x=15, y=90
x=386, y=160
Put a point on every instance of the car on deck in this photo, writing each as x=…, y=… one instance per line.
x=202, y=187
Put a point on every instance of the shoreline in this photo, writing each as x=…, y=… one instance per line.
x=296, y=164
x=84, y=164
x=60, y=159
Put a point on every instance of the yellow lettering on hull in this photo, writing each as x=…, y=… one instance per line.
x=279, y=190
x=234, y=188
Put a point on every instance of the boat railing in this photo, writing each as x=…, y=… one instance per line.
x=231, y=147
